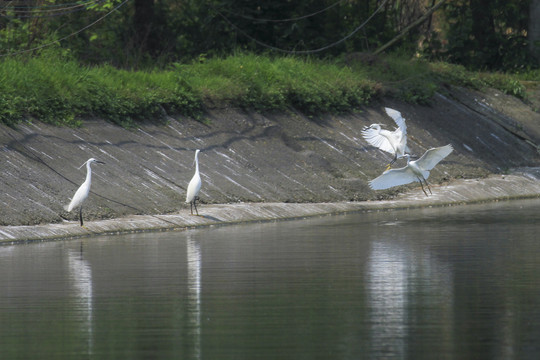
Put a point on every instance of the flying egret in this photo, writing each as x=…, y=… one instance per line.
x=416, y=170
x=194, y=186
x=393, y=142
x=82, y=193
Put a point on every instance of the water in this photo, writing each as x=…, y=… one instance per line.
x=450, y=283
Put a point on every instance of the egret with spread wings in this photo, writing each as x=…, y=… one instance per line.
x=393, y=142
x=416, y=170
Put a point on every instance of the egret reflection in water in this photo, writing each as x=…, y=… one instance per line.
x=451, y=283
x=194, y=292
x=387, y=298
x=393, y=275
x=80, y=274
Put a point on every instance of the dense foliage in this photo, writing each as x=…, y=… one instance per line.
x=482, y=34
x=485, y=34
x=129, y=60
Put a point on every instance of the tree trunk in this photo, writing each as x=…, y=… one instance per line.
x=143, y=22
x=482, y=24
x=534, y=28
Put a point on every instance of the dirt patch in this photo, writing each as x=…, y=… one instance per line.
x=251, y=157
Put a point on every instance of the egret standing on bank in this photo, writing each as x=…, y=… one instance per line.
x=194, y=186
x=416, y=170
x=82, y=193
x=393, y=142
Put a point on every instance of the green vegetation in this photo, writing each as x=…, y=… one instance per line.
x=128, y=61
x=59, y=90
x=457, y=75
x=479, y=34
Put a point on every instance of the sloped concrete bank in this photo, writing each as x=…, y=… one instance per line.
x=525, y=183
x=251, y=158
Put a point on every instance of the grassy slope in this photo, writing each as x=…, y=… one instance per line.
x=60, y=91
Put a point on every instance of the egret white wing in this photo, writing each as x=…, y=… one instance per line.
x=374, y=138
x=433, y=156
x=398, y=119
x=393, y=177
x=80, y=195
x=193, y=188
x=401, y=147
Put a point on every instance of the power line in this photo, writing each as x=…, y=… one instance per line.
x=286, y=20
x=67, y=36
x=36, y=14
x=312, y=51
x=34, y=6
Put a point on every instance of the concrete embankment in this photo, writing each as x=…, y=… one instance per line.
x=282, y=165
x=525, y=183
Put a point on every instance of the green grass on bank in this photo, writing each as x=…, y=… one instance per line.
x=61, y=91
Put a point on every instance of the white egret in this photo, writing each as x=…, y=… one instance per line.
x=194, y=186
x=416, y=170
x=393, y=142
x=82, y=193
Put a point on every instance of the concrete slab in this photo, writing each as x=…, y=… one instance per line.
x=524, y=183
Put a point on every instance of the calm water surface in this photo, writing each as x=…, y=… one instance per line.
x=450, y=283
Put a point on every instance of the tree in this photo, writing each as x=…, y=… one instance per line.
x=534, y=29
x=487, y=34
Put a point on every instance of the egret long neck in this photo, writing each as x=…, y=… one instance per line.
x=88, y=173
x=197, y=162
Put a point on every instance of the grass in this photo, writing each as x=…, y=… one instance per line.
x=264, y=83
x=507, y=83
x=61, y=91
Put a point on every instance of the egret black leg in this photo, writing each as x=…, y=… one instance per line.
x=80, y=216
x=422, y=185
x=391, y=163
x=195, y=204
x=428, y=187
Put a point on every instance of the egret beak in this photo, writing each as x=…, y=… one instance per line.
x=99, y=162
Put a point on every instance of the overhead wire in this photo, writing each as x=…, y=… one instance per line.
x=48, y=7
x=311, y=51
x=67, y=36
x=33, y=14
x=289, y=19
x=233, y=25
x=38, y=12
x=34, y=6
